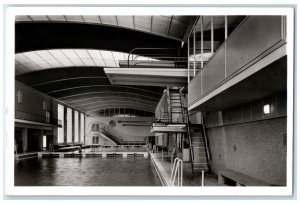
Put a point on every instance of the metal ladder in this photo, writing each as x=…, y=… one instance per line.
x=177, y=172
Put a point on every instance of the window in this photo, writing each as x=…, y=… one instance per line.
x=47, y=117
x=60, y=116
x=44, y=105
x=267, y=109
x=20, y=96
x=76, y=127
x=82, y=128
x=69, y=125
x=44, y=142
x=95, y=140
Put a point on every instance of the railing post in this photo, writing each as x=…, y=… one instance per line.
x=202, y=178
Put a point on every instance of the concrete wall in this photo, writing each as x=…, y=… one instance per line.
x=247, y=140
x=132, y=128
x=33, y=105
x=32, y=100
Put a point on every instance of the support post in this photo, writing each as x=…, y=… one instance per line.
x=202, y=180
x=212, y=34
x=225, y=53
x=194, y=50
x=188, y=60
x=201, y=28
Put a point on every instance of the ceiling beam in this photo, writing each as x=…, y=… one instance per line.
x=189, y=28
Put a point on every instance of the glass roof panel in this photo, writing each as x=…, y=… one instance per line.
x=110, y=20
x=46, y=59
x=39, y=18
x=57, y=18
x=74, y=18
x=125, y=21
x=91, y=19
x=22, y=18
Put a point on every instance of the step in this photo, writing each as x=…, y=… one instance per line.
x=200, y=160
x=200, y=155
x=196, y=133
x=197, y=139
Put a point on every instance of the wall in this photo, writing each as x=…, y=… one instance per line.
x=31, y=109
x=247, y=140
x=133, y=132
x=32, y=100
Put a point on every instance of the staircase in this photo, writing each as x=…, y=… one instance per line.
x=200, y=157
x=176, y=109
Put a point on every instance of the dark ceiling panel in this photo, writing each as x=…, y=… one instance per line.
x=83, y=87
x=68, y=84
x=48, y=75
x=101, y=99
x=42, y=36
x=64, y=93
x=84, y=98
x=116, y=104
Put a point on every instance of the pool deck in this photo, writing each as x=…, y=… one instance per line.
x=163, y=168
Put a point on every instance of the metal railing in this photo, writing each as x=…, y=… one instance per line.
x=164, y=53
x=205, y=139
x=22, y=115
x=166, y=117
x=177, y=173
x=190, y=143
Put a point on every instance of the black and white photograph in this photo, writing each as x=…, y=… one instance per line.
x=167, y=101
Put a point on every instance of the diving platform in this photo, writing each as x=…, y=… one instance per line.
x=161, y=128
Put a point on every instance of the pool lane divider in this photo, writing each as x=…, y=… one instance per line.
x=91, y=154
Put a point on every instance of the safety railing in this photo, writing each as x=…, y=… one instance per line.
x=166, y=117
x=260, y=36
x=167, y=54
x=190, y=143
x=177, y=173
x=205, y=140
x=22, y=115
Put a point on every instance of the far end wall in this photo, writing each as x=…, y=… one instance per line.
x=129, y=128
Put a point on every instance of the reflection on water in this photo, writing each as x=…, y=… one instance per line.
x=86, y=172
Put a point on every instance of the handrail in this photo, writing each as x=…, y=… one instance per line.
x=169, y=105
x=177, y=171
x=205, y=139
x=188, y=129
x=22, y=115
x=131, y=52
x=165, y=117
x=190, y=143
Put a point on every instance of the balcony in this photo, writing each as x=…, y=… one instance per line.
x=255, y=44
x=30, y=117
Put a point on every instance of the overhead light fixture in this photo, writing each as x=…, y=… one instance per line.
x=267, y=109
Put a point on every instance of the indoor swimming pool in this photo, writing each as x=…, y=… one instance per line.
x=86, y=172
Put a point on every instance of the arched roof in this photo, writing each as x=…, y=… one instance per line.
x=168, y=26
x=64, y=56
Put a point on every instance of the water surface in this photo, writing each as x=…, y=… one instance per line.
x=86, y=172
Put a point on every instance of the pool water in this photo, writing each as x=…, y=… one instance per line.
x=86, y=172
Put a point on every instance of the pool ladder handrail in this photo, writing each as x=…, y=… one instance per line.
x=177, y=171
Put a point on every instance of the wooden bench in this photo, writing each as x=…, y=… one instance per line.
x=239, y=178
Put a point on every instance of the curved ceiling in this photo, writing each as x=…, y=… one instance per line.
x=168, y=26
x=64, y=56
x=57, y=58
x=89, y=90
